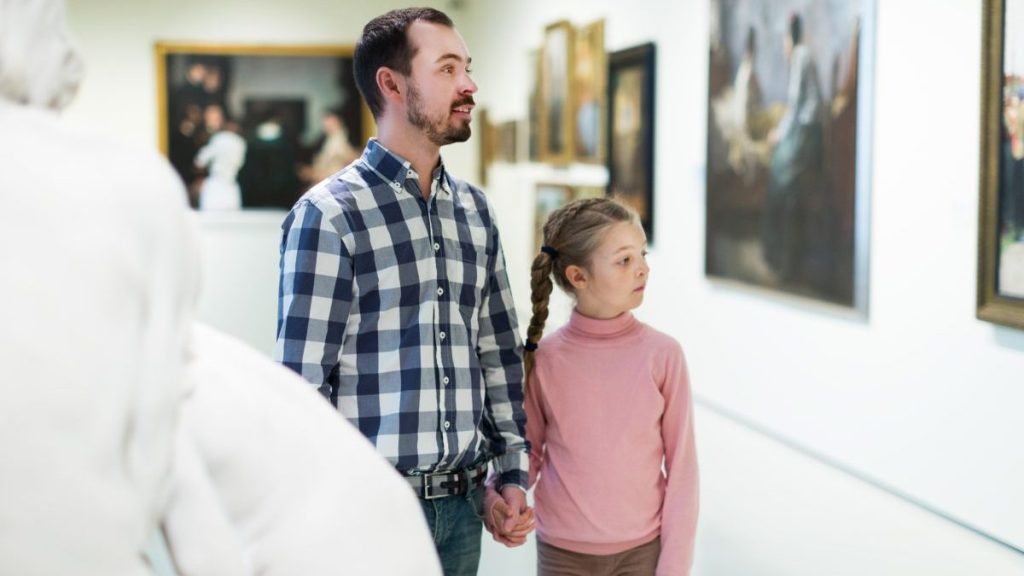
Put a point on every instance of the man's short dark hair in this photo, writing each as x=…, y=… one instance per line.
x=385, y=42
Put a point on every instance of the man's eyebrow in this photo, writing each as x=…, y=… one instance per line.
x=453, y=56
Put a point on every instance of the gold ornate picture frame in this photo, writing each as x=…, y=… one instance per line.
x=286, y=116
x=1001, y=207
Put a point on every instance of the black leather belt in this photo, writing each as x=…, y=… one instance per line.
x=447, y=483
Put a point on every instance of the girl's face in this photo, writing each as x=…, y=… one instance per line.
x=616, y=277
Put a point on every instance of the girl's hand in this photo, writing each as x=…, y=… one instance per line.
x=497, y=512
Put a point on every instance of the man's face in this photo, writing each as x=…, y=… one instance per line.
x=439, y=91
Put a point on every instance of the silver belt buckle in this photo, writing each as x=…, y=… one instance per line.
x=431, y=482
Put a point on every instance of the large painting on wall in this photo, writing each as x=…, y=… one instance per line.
x=255, y=126
x=787, y=158
x=1001, y=242
x=630, y=161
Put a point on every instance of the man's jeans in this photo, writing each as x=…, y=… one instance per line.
x=455, y=522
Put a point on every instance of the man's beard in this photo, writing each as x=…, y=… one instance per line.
x=438, y=130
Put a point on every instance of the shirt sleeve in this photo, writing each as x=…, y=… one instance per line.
x=679, y=511
x=315, y=296
x=500, y=351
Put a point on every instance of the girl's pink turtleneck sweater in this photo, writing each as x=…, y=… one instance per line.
x=610, y=422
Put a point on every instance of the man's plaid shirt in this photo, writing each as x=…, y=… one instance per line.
x=399, y=310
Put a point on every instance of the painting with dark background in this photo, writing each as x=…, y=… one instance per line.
x=254, y=127
x=1001, y=230
x=783, y=145
x=630, y=130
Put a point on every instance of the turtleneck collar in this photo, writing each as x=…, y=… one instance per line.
x=587, y=327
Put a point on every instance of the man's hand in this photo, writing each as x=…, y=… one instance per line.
x=506, y=515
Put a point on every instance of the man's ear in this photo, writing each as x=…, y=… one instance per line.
x=390, y=83
x=577, y=276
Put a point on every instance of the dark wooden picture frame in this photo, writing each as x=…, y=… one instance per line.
x=630, y=130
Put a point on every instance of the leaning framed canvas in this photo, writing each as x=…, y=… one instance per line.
x=788, y=135
x=547, y=198
x=631, y=130
x=253, y=126
x=590, y=90
x=556, y=116
x=1001, y=214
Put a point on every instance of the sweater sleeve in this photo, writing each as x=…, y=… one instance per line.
x=536, y=424
x=679, y=511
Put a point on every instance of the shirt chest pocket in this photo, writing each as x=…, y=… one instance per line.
x=466, y=268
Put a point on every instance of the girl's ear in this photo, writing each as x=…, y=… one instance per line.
x=577, y=276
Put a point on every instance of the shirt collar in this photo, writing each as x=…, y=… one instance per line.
x=396, y=169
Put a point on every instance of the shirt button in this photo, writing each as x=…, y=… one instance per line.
x=440, y=291
x=437, y=246
x=442, y=335
x=447, y=424
x=445, y=380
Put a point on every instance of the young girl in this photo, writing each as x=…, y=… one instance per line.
x=609, y=415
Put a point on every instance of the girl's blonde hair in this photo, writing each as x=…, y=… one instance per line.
x=571, y=234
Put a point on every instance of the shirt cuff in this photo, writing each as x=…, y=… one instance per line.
x=512, y=469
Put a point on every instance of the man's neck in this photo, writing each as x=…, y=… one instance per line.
x=412, y=145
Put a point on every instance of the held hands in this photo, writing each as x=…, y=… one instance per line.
x=506, y=515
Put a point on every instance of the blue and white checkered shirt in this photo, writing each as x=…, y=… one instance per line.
x=399, y=310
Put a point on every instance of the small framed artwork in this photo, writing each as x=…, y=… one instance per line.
x=254, y=126
x=556, y=115
x=506, y=142
x=590, y=91
x=533, y=105
x=551, y=197
x=631, y=130
x=547, y=199
x=484, y=133
x=1001, y=230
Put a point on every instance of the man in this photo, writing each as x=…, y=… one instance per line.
x=394, y=300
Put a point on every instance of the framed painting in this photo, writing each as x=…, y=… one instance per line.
x=631, y=130
x=485, y=135
x=547, y=199
x=249, y=126
x=590, y=89
x=1001, y=214
x=556, y=115
x=506, y=142
x=533, y=106
x=789, y=109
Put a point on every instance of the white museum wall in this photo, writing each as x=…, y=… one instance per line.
x=919, y=396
